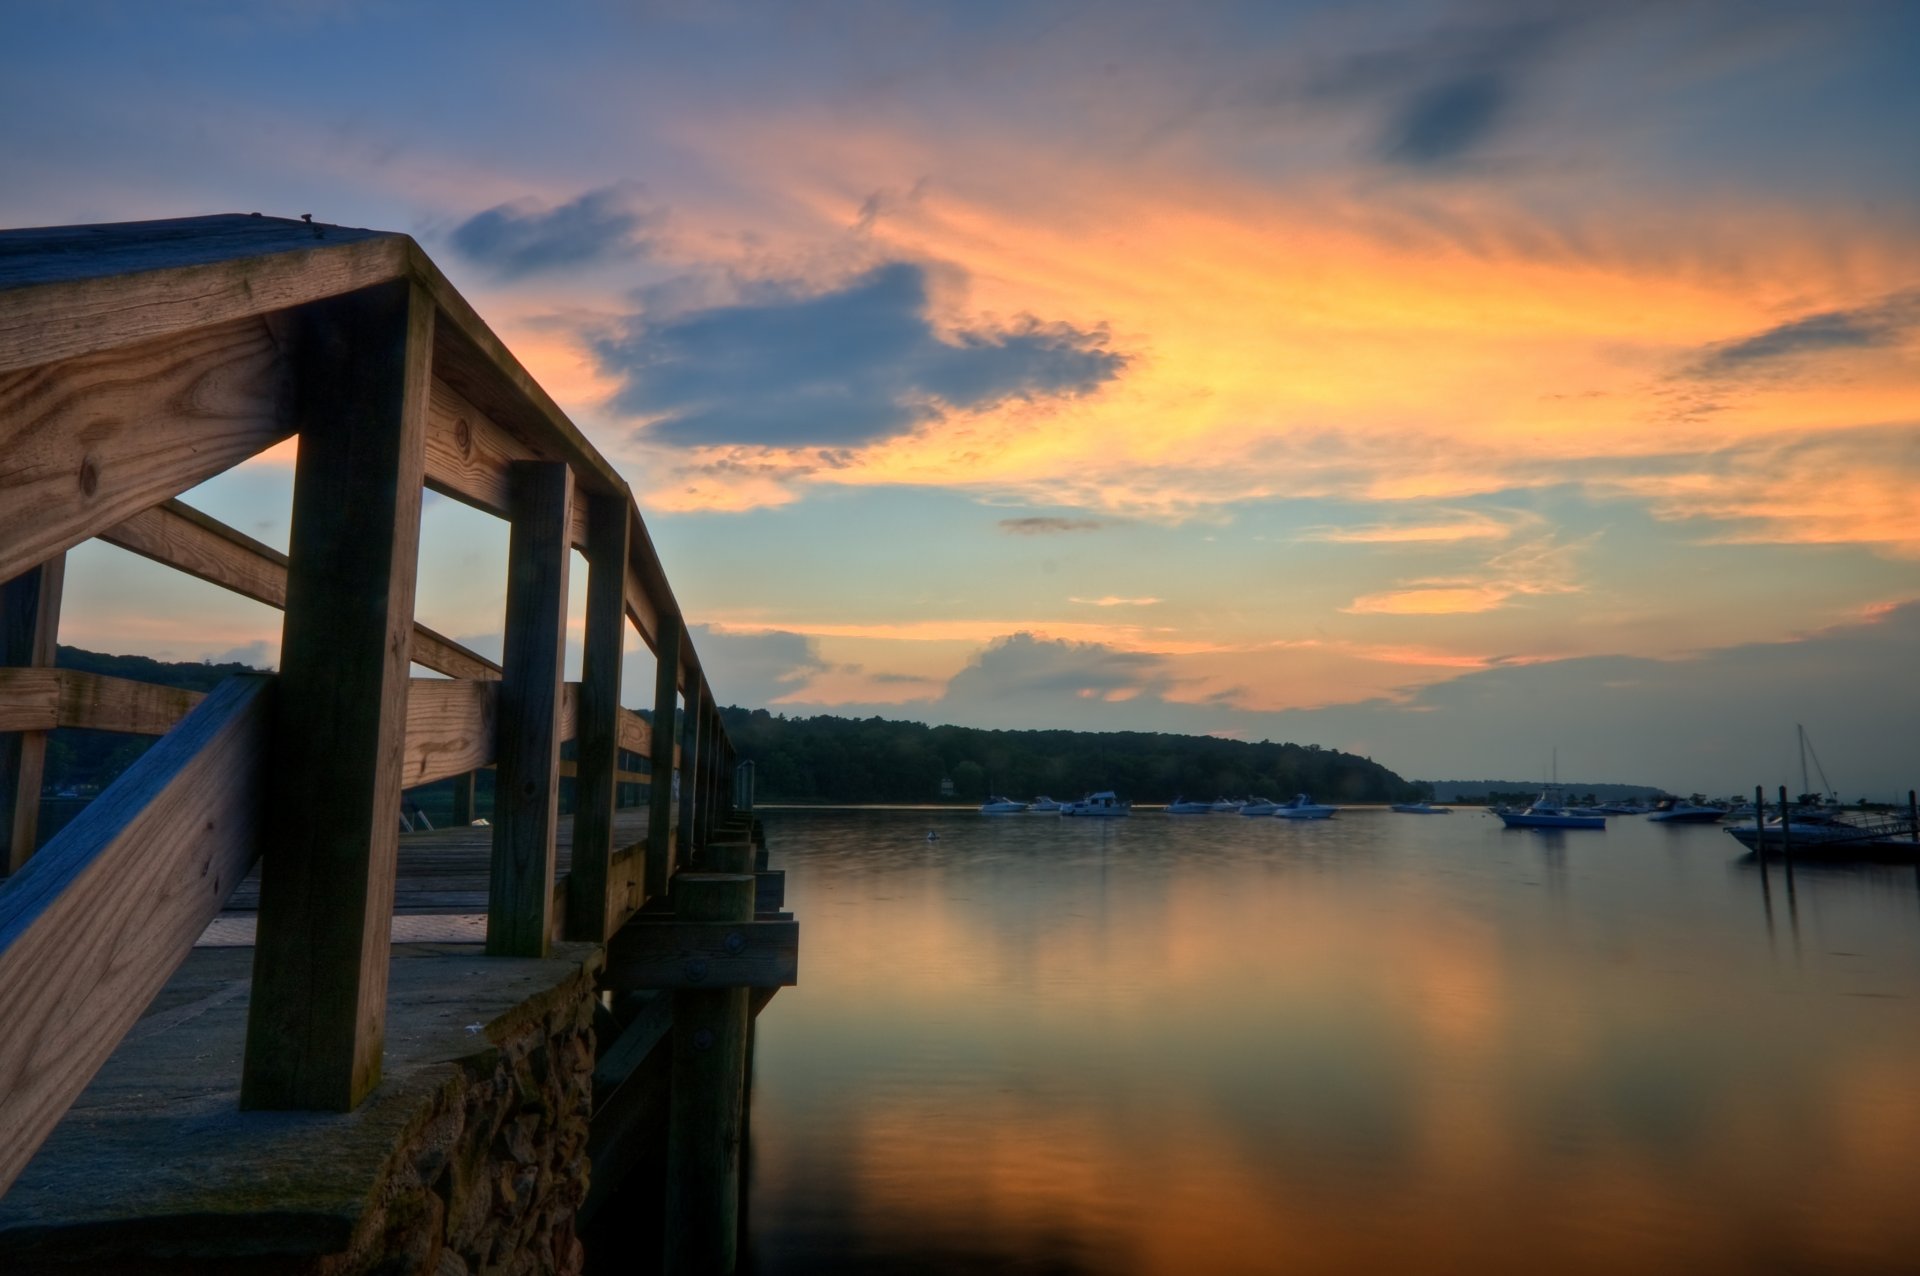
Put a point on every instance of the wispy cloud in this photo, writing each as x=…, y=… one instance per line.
x=1448, y=529
x=1891, y=321
x=1112, y=601
x=1049, y=526
x=524, y=239
x=1544, y=565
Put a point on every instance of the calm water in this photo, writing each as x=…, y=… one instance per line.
x=1214, y=1044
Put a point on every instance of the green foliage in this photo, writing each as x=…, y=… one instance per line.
x=829, y=759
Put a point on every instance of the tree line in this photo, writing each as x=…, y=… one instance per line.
x=848, y=760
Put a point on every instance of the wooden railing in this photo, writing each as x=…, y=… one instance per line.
x=139, y=360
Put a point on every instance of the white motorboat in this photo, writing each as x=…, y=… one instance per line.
x=1102, y=804
x=1001, y=806
x=1258, y=806
x=1547, y=813
x=1226, y=805
x=1421, y=808
x=1303, y=807
x=1685, y=812
x=1043, y=803
x=1180, y=806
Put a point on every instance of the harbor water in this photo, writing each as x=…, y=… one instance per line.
x=1377, y=1043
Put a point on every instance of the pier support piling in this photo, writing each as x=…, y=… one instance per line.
x=704, y=1130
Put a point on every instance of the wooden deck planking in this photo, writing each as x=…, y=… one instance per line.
x=445, y=871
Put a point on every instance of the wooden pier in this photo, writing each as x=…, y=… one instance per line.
x=619, y=954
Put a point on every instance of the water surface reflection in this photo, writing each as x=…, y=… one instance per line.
x=1216, y=1044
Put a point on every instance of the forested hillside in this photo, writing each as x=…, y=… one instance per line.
x=827, y=759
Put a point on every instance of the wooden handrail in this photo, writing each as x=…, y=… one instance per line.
x=138, y=361
x=139, y=873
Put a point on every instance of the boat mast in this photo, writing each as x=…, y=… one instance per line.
x=1801, y=733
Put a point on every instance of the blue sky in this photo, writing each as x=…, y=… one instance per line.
x=1447, y=381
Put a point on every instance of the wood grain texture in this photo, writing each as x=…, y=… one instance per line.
x=184, y=538
x=450, y=729
x=636, y=736
x=29, y=701
x=527, y=782
x=317, y=1016
x=97, y=702
x=90, y=441
x=662, y=759
x=470, y=457
x=70, y=291
x=597, y=750
x=98, y=921
x=29, y=637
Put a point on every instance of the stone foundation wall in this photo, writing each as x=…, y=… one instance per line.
x=490, y=1178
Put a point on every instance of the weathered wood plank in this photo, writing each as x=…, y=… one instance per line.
x=527, y=783
x=470, y=457
x=29, y=637
x=318, y=1011
x=98, y=702
x=71, y=291
x=97, y=922
x=29, y=701
x=662, y=757
x=183, y=538
x=635, y=735
x=187, y=540
x=88, y=442
x=450, y=728
x=598, y=731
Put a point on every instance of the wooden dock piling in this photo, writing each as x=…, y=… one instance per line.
x=709, y=1072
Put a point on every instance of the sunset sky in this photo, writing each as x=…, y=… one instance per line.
x=1448, y=382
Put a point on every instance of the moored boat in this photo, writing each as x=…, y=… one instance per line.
x=1546, y=812
x=1104, y=803
x=1421, y=808
x=1303, y=807
x=1686, y=812
x=1180, y=806
x=1227, y=804
x=1001, y=806
x=1867, y=836
x=1258, y=806
x=1043, y=803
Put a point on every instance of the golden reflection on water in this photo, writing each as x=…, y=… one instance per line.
x=1210, y=1047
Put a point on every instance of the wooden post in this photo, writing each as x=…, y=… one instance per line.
x=526, y=793
x=666, y=682
x=704, y=1119
x=319, y=1003
x=1786, y=826
x=29, y=635
x=1760, y=821
x=463, y=812
x=690, y=838
x=1913, y=816
x=596, y=790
